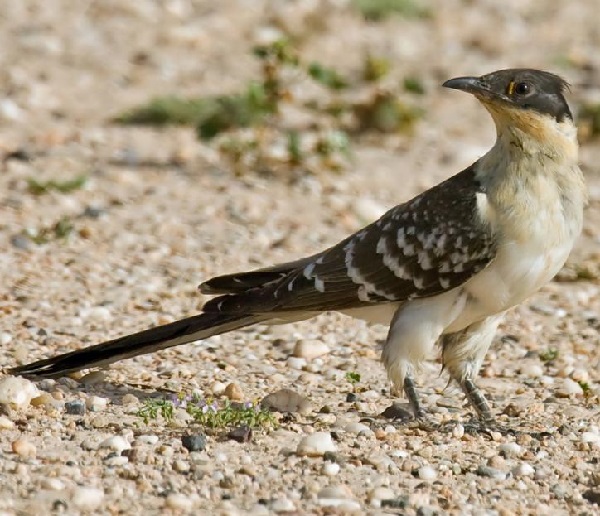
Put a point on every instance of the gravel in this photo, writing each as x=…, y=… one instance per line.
x=161, y=211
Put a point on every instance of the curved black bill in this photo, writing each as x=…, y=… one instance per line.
x=468, y=84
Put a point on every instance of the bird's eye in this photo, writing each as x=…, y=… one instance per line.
x=522, y=88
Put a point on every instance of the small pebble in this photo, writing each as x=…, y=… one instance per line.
x=116, y=460
x=24, y=448
x=196, y=442
x=129, y=399
x=116, y=443
x=96, y=403
x=283, y=504
x=310, y=349
x=53, y=484
x=487, y=471
x=286, y=400
x=590, y=437
x=316, y=445
x=427, y=473
x=9, y=110
x=343, y=505
x=296, y=363
x=523, y=470
x=182, y=466
x=331, y=469
x=17, y=392
x=5, y=338
x=87, y=498
x=458, y=431
x=234, y=392
x=241, y=434
x=358, y=428
x=569, y=388
x=179, y=502
x=75, y=407
x=149, y=440
x=378, y=494
x=531, y=369
x=218, y=388
x=510, y=448
x=93, y=378
x=5, y=423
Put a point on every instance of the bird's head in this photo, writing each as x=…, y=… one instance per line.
x=523, y=101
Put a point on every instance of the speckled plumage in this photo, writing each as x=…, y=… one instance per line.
x=440, y=268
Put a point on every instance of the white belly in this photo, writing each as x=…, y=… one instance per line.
x=518, y=271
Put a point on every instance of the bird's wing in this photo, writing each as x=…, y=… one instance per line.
x=242, y=281
x=427, y=246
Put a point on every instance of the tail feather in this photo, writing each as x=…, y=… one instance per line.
x=240, y=282
x=186, y=330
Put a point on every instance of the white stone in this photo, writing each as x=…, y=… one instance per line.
x=310, y=349
x=358, y=428
x=116, y=443
x=17, y=392
x=96, y=403
x=117, y=460
x=570, y=387
x=331, y=469
x=24, y=448
x=87, y=498
x=532, y=369
x=380, y=493
x=5, y=423
x=427, y=473
x=510, y=448
x=283, y=504
x=523, y=470
x=296, y=363
x=5, y=338
x=147, y=439
x=53, y=484
x=218, y=388
x=315, y=445
x=590, y=437
x=458, y=431
x=342, y=504
x=9, y=110
x=580, y=375
x=179, y=502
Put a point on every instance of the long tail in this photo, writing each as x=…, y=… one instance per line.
x=186, y=330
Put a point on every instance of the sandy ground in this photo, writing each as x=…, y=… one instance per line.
x=147, y=232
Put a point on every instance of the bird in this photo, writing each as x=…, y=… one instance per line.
x=440, y=269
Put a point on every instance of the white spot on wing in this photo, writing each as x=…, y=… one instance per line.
x=319, y=284
x=308, y=271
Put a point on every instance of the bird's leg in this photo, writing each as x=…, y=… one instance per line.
x=462, y=355
x=477, y=400
x=413, y=398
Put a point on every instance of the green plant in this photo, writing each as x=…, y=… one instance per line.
x=375, y=68
x=352, y=377
x=386, y=113
x=208, y=413
x=376, y=10
x=549, y=355
x=326, y=76
x=37, y=187
x=414, y=85
x=59, y=230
